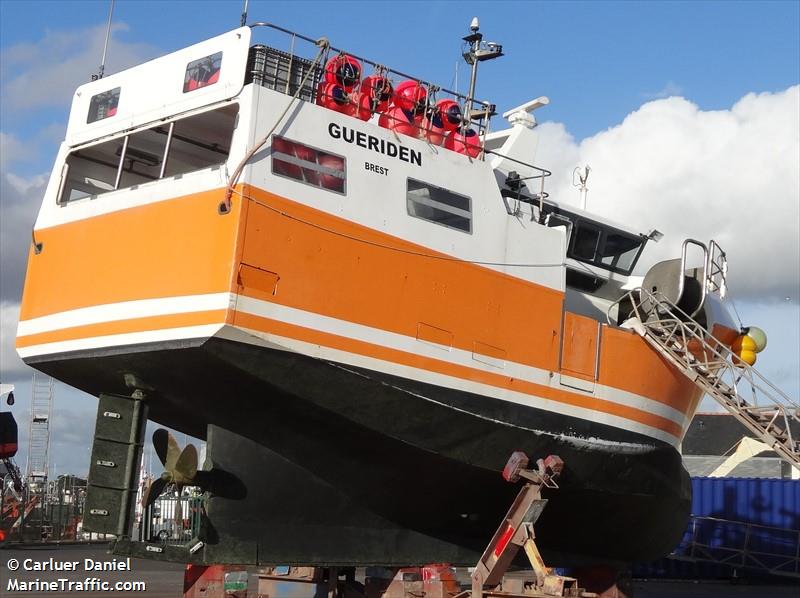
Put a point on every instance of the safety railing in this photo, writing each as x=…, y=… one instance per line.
x=281, y=65
x=741, y=544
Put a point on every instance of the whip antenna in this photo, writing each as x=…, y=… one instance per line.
x=244, y=13
x=105, y=45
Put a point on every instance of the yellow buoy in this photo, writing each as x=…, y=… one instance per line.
x=749, y=357
x=759, y=337
x=743, y=343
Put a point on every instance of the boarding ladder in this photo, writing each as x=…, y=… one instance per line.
x=746, y=394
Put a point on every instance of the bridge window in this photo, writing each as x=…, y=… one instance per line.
x=308, y=165
x=165, y=150
x=103, y=105
x=202, y=72
x=439, y=205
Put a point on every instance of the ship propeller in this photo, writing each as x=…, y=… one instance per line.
x=180, y=469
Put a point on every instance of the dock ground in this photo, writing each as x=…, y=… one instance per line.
x=165, y=580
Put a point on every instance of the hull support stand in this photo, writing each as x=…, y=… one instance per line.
x=515, y=532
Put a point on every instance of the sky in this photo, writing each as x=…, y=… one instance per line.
x=687, y=112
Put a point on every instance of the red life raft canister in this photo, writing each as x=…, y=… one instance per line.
x=411, y=96
x=440, y=120
x=362, y=104
x=450, y=113
x=379, y=90
x=344, y=70
x=335, y=97
x=398, y=120
x=464, y=141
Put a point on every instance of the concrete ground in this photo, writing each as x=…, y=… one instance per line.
x=165, y=580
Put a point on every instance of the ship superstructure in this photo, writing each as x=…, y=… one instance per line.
x=363, y=309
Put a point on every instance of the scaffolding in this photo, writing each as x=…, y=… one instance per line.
x=37, y=469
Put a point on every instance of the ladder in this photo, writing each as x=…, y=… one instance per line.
x=39, y=430
x=759, y=405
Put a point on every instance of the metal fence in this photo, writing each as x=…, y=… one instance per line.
x=739, y=544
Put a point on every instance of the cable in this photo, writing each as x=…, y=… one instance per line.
x=226, y=204
x=445, y=258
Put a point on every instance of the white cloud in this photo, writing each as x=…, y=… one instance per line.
x=47, y=72
x=669, y=90
x=12, y=369
x=13, y=150
x=731, y=175
x=19, y=203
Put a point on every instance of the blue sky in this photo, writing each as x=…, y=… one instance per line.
x=597, y=61
x=688, y=113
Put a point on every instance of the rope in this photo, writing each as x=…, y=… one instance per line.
x=225, y=206
x=390, y=247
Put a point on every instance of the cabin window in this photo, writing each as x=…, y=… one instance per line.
x=620, y=251
x=586, y=240
x=308, y=165
x=103, y=105
x=202, y=72
x=439, y=205
x=165, y=150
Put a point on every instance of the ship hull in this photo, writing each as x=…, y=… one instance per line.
x=348, y=465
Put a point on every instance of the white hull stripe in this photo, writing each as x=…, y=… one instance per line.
x=452, y=355
x=119, y=340
x=126, y=310
x=306, y=319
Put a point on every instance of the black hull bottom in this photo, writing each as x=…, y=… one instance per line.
x=340, y=466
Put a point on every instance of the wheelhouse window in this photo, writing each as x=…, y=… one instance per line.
x=165, y=150
x=103, y=105
x=202, y=72
x=596, y=243
x=308, y=165
x=439, y=205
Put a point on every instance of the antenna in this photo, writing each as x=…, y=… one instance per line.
x=105, y=45
x=582, y=178
x=478, y=52
x=243, y=22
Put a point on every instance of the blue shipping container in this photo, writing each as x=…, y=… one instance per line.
x=766, y=513
x=774, y=503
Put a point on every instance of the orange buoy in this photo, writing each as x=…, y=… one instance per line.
x=398, y=120
x=280, y=166
x=379, y=90
x=411, y=96
x=464, y=141
x=344, y=70
x=335, y=97
x=330, y=181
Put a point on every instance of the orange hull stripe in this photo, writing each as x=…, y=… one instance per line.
x=330, y=274
x=169, y=248
x=458, y=371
